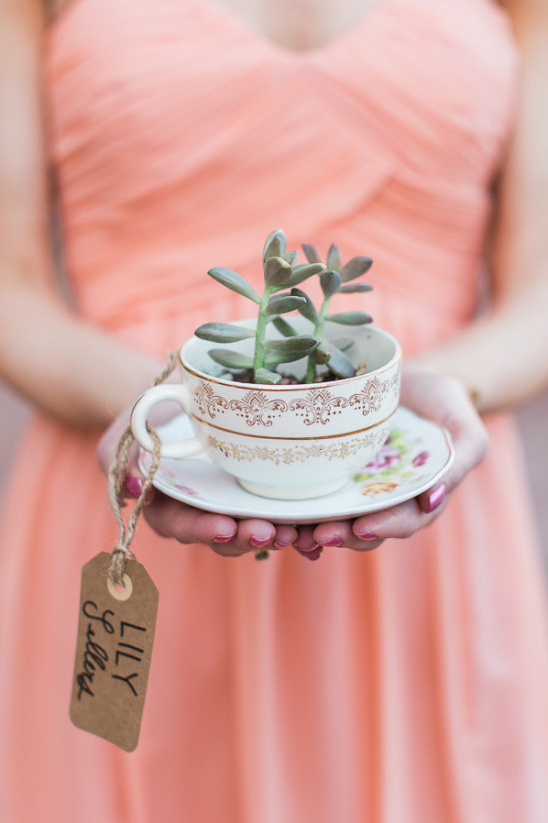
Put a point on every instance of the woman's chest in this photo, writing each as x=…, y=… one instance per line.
x=296, y=25
x=429, y=83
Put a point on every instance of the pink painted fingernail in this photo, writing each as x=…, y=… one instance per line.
x=134, y=486
x=435, y=499
x=334, y=541
x=310, y=548
x=366, y=536
x=278, y=545
x=258, y=544
x=224, y=538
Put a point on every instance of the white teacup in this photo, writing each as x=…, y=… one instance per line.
x=287, y=442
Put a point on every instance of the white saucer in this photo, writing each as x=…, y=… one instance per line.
x=415, y=456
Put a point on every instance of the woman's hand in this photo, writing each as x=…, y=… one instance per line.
x=445, y=401
x=187, y=524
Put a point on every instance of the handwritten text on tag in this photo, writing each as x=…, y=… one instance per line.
x=114, y=648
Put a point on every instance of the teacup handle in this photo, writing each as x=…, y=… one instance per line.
x=143, y=407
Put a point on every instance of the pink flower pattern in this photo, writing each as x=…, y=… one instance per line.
x=386, y=458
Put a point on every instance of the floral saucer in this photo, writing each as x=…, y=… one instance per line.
x=416, y=454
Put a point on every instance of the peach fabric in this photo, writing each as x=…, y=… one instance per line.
x=405, y=685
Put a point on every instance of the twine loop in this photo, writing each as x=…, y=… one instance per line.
x=116, y=480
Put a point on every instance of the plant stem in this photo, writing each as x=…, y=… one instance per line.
x=258, y=357
x=318, y=330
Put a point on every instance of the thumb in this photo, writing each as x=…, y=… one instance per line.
x=106, y=449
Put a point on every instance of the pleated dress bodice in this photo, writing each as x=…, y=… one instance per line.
x=181, y=137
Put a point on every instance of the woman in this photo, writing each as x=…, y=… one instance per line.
x=404, y=684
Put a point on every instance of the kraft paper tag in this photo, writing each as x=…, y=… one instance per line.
x=113, y=652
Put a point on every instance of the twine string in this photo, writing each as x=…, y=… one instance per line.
x=116, y=479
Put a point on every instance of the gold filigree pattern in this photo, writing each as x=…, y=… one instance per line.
x=255, y=407
x=207, y=401
x=299, y=453
x=318, y=406
x=373, y=393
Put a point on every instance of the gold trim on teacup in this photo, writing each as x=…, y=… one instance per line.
x=317, y=406
x=317, y=437
x=298, y=453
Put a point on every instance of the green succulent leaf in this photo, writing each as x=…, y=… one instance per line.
x=290, y=257
x=234, y=282
x=275, y=244
x=308, y=309
x=311, y=253
x=276, y=271
x=267, y=376
x=320, y=355
x=353, y=288
x=223, y=332
x=274, y=358
x=338, y=362
x=303, y=272
x=302, y=345
x=333, y=259
x=342, y=343
x=330, y=282
x=233, y=360
x=284, y=327
x=309, y=268
x=282, y=305
x=355, y=268
x=350, y=318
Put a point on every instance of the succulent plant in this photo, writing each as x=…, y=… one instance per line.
x=335, y=279
x=282, y=295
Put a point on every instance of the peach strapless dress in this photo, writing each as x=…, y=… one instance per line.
x=404, y=685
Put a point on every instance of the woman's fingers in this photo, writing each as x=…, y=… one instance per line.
x=170, y=518
x=368, y=532
x=109, y=440
x=399, y=522
x=227, y=536
x=187, y=524
x=306, y=545
x=134, y=478
x=470, y=442
x=255, y=534
x=340, y=534
x=285, y=536
x=445, y=401
x=430, y=500
x=107, y=447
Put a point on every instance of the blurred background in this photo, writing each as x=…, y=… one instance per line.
x=532, y=418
